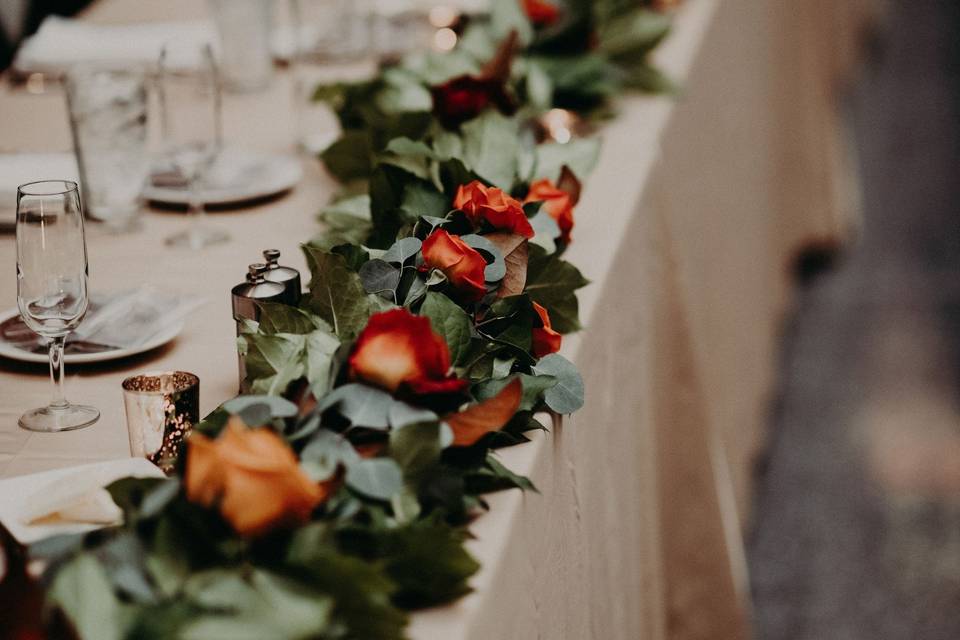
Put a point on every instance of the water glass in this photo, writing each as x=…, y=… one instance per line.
x=246, y=63
x=331, y=29
x=108, y=118
x=52, y=287
x=190, y=106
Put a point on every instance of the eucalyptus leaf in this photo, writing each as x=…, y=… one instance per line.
x=325, y=452
x=378, y=478
x=363, y=406
x=566, y=396
x=272, y=406
x=380, y=277
x=402, y=414
x=402, y=250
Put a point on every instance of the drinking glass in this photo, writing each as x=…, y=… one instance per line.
x=108, y=118
x=189, y=90
x=52, y=287
x=246, y=63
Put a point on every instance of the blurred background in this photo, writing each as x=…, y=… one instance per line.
x=856, y=528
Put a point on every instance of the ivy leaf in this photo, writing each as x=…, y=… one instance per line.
x=336, y=293
x=347, y=221
x=566, y=396
x=552, y=282
x=273, y=361
x=450, y=321
x=422, y=199
x=491, y=146
x=377, y=478
x=282, y=318
x=321, y=348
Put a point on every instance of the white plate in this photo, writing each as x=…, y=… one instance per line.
x=237, y=176
x=8, y=350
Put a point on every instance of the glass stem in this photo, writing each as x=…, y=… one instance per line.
x=56, y=372
x=196, y=209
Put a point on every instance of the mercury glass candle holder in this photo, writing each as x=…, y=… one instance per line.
x=162, y=408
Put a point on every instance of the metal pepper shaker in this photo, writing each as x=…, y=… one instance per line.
x=245, y=298
x=287, y=276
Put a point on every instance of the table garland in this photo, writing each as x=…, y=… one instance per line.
x=337, y=496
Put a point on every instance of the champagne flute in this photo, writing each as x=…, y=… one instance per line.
x=189, y=88
x=52, y=287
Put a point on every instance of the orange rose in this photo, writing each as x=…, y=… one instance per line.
x=557, y=203
x=255, y=477
x=483, y=203
x=545, y=339
x=397, y=348
x=462, y=264
x=541, y=12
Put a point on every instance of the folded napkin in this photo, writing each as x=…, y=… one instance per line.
x=70, y=500
x=19, y=168
x=124, y=320
x=64, y=42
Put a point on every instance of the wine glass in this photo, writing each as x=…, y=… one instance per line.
x=189, y=89
x=52, y=287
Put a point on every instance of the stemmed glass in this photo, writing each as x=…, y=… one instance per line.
x=189, y=90
x=52, y=287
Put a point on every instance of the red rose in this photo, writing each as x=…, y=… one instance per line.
x=541, y=12
x=396, y=349
x=545, y=339
x=490, y=204
x=465, y=97
x=557, y=203
x=462, y=264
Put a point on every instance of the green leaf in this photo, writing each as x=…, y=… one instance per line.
x=567, y=395
x=377, y=478
x=553, y=282
x=350, y=157
x=83, y=592
x=388, y=187
x=266, y=407
x=402, y=250
x=416, y=448
x=347, y=221
x=336, y=293
x=491, y=146
x=427, y=560
x=534, y=388
x=401, y=414
x=282, y=318
x=507, y=16
x=273, y=361
x=379, y=277
x=450, y=321
x=422, y=199
x=493, y=476
x=325, y=452
x=580, y=154
x=321, y=348
x=634, y=33
x=363, y=406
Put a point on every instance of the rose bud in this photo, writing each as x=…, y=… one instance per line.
x=557, y=203
x=398, y=349
x=254, y=476
x=491, y=205
x=541, y=12
x=545, y=339
x=460, y=263
x=466, y=97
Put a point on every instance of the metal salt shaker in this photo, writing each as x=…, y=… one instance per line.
x=245, y=298
x=287, y=276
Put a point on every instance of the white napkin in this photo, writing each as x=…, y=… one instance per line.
x=71, y=500
x=19, y=168
x=64, y=42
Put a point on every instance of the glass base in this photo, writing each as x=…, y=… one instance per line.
x=54, y=419
x=197, y=238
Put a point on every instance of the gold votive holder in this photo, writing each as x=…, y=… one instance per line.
x=161, y=408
